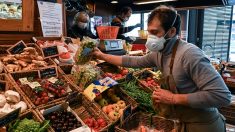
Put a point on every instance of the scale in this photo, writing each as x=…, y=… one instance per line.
x=112, y=46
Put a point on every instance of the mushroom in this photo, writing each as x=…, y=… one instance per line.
x=21, y=105
x=12, y=96
x=5, y=110
x=2, y=100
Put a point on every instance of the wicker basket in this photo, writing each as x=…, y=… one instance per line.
x=31, y=115
x=3, y=50
x=65, y=70
x=35, y=74
x=11, y=86
x=128, y=100
x=229, y=112
x=134, y=121
x=88, y=110
x=154, y=122
x=163, y=124
x=230, y=128
x=40, y=111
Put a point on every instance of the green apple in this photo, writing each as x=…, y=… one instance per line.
x=103, y=102
x=115, y=98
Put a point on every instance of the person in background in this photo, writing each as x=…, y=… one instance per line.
x=120, y=19
x=193, y=89
x=79, y=27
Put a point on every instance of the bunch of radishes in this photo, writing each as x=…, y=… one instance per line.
x=117, y=76
x=96, y=125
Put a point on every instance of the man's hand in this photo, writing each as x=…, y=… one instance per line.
x=163, y=96
x=98, y=54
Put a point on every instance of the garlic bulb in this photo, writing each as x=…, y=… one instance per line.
x=21, y=105
x=2, y=100
x=12, y=96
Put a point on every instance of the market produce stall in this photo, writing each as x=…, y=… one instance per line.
x=44, y=84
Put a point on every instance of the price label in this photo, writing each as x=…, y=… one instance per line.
x=34, y=85
x=126, y=113
x=17, y=48
x=9, y=117
x=52, y=79
x=74, y=99
x=50, y=51
x=24, y=80
x=2, y=85
x=48, y=72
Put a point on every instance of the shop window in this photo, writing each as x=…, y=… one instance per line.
x=134, y=19
x=232, y=39
x=146, y=15
x=216, y=32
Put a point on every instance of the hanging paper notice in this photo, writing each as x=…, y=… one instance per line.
x=51, y=18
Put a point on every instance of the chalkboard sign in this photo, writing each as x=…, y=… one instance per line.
x=9, y=117
x=2, y=85
x=50, y=51
x=126, y=113
x=74, y=99
x=17, y=48
x=48, y=72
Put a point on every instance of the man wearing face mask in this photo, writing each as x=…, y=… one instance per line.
x=80, y=26
x=193, y=89
x=122, y=17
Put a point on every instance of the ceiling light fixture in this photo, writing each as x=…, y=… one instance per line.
x=152, y=1
x=114, y=1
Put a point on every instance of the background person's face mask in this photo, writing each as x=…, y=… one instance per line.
x=82, y=25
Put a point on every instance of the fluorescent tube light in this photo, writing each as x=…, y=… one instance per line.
x=114, y=1
x=153, y=1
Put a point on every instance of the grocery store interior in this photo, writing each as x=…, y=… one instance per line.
x=95, y=66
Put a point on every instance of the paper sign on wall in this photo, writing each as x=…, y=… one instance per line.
x=51, y=18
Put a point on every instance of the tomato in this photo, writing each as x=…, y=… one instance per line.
x=149, y=78
x=65, y=55
x=44, y=94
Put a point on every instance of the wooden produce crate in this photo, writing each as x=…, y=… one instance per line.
x=88, y=110
x=116, y=72
x=45, y=112
x=31, y=115
x=143, y=98
x=107, y=96
x=48, y=61
x=65, y=70
x=31, y=93
x=6, y=84
x=147, y=81
x=229, y=112
x=48, y=51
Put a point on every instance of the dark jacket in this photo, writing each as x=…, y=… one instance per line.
x=76, y=32
x=117, y=21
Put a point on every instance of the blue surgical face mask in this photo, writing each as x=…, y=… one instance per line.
x=155, y=43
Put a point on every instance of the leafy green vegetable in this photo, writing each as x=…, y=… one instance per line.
x=142, y=97
x=28, y=125
x=83, y=53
